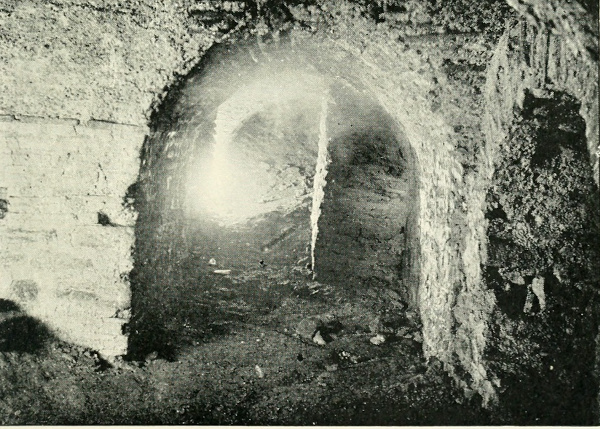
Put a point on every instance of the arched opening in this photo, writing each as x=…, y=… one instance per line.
x=253, y=166
x=367, y=204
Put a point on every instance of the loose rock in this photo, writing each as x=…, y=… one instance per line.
x=511, y=276
x=325, y=323
x=375, y=325
x=151, y=357
x=318, y=339
x=537, y=287
x=307, y=328
x=377, y=339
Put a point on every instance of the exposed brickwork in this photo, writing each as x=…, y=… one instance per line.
x=57, y=261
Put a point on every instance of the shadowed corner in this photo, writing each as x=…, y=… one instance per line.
x=19, y=332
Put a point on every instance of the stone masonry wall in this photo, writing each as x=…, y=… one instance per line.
x=67, y=237
x=71, y=73
x=97, y=60
x=105, y=63
x=93, y=59
x=402, y=79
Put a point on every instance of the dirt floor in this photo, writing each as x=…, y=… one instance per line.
x=258, y=361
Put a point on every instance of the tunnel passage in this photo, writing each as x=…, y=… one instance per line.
x=367, y=198
x=543, y=264
x=249, y=189
x=253, y=164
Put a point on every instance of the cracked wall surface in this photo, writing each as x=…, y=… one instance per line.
x=542, y=102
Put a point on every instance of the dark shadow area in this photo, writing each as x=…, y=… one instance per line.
x=7, y=305
x=19, y=332
x=364, y=215
x=366, y=224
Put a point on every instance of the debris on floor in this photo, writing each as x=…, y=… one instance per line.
x=318, y=339
x=377, y=339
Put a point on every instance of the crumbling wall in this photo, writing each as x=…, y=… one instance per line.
x=543, y=262
x=531, y=57
x=542, y=204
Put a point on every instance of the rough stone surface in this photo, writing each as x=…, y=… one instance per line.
x=542, y=227
x=92, y=60
x=530, y=57
x=57, y=261
x=575, y=22
x=542, y=255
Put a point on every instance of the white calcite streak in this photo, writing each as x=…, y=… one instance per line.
x=319, y=181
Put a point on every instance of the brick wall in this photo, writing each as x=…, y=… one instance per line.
x=56, y=260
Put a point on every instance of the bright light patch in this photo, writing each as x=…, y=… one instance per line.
x=229, y=189
x=236, y=180
x=232, y=185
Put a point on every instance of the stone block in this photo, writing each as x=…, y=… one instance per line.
x=25, y=290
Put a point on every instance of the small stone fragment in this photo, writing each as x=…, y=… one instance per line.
x=375, y=325
x=212, y=261
x=259, y=371
x=307, y=327
x=528, y=302
x=537, y=286
x=347, y=357
x=151, y=356
x=377, y=339
x=511, y=276
x=327, y=324
x=401, y=332
x=318, y=339
x=123, y=314
x=223, y=272
x=412, y=316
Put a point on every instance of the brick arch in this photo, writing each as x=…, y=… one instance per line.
x=399, y=81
